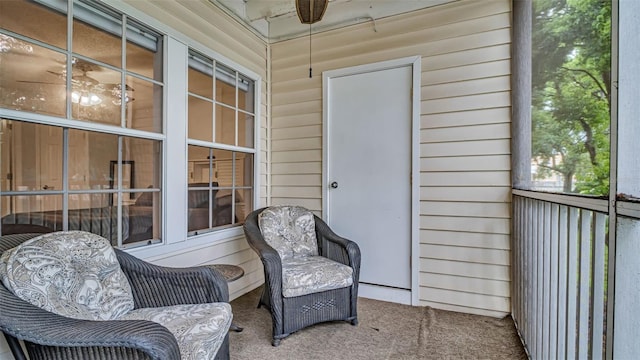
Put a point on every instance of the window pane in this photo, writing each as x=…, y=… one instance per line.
x=244, y=204
x=142, y=218
x=223, y=208
x=571, y=71
x=16, y=15
x=200, y=119
x=31, y=213
x=143, y=101
x=246, y=94
x=225, y=125
x=225, y=85
x=245, y=130
x=94, y=42
x=144, y=51
x=34, y=155
x=199, y=209
x=91, y=99
x=32, y=78
x=201, y=170
x=201, y=82
x=244, y=169
x=141, y=159
x=224, y=167
x=90, y=154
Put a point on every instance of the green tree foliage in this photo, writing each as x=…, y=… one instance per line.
x=571, y=94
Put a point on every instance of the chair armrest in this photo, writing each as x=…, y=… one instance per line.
x=27, y=322
x=337, y=248
x=157, y=286
x=268, y=255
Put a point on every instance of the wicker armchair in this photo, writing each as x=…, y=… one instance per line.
x=50, y=336
x=290, y=314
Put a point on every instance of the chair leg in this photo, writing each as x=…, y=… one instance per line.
x=354, y=322
x=275, y=342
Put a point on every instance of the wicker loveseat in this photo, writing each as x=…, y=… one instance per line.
x=158, y=295
x=297, y=298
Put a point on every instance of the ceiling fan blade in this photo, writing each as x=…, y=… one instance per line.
x=117, y=86
x=38, y=82
x=56, y=73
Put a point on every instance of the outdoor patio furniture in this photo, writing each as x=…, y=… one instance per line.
x=311, y=274
x=122, y=308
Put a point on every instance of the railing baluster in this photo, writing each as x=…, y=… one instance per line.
x=531, y=283
x=559, y=270
x=546, y=277
x=539, y=279
x=585, y=284
x=572, y=282
x=598, y=297
x=562, y=281
x=553, y=283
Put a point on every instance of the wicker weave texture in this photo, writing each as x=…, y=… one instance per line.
x=50, y=336
x=292, y=314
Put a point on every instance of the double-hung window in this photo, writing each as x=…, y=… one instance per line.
x=221, y=145
x=81, y=99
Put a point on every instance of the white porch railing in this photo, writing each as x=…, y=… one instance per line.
x=559, y=277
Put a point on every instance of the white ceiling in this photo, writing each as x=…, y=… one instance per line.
x=277, y=20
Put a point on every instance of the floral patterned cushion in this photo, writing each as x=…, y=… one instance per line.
x=200, y=328
x=307, y=275
x=290, y=230
x=74, y=274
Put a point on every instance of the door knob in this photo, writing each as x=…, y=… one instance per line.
x=334, y=185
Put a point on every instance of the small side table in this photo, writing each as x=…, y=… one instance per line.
x=230, y=273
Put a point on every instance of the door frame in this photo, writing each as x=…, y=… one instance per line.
x=327, y=76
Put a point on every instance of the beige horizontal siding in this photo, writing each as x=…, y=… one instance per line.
x=466, y=118
x=465, y=137
x=208, y=26
x=469, y=239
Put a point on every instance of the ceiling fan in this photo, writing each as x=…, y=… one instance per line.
x=86, y=90
x=311, y=11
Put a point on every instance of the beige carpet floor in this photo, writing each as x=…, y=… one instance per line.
x=385, y=331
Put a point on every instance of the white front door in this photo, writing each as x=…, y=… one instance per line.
x=369, y=128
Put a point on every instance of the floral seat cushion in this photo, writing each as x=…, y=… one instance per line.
x=311, y=274
x=74, y=274
x=290, y=230
x=77, y=274
x=200, y=329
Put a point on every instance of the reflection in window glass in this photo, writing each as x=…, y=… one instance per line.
x=32, y=156
x=200, y=77
x=200, y=119
x=31, y=213
x=225, y=85
x=90, y=154
x=245, y=129
x=224, y=178
x=571, y=96
x=94, y=42
x=25, y=89
x=96, y=178
x=52, y=22
x=90, y=98
x=144, y=55
x=225, y=125
x=245, y=94
x=143, y=104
